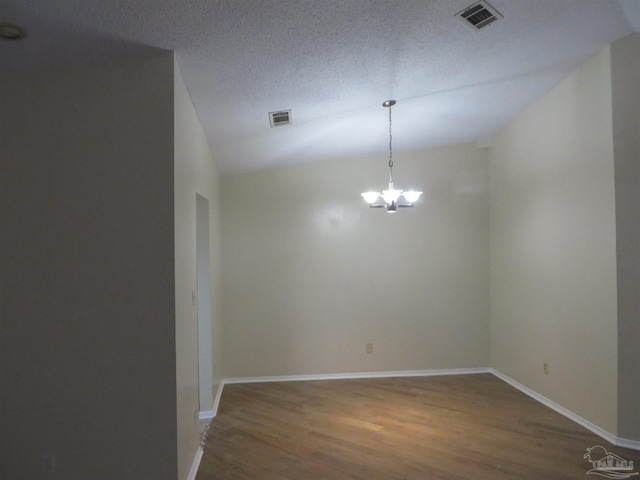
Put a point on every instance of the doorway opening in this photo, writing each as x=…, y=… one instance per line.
x=203, y=272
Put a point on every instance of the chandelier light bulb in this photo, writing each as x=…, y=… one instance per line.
x=370, y=197
x=391, y=196
x=411, y=196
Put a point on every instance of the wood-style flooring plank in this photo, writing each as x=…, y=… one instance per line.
x=449, y=428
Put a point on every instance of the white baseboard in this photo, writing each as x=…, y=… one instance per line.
x=209, y=414
x=626, y=443
x=601, y=432
x=620, y=442
x=352, y=376
x=206, y=415
x=216, y=401
x=195, y=465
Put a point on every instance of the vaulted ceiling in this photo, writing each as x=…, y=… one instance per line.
x=333, y=63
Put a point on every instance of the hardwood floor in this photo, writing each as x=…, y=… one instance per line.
x=448, y=427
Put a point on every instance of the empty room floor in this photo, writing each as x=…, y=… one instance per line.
x=444, y=427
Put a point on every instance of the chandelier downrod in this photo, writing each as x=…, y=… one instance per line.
x=389, y=104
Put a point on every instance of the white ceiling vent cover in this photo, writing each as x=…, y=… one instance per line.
x=279, y=119
x=479, y=15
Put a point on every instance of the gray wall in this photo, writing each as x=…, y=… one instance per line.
x=625, y=68
x=553, y=247
x=311, y=274
x=87, y=325
x=195, y=174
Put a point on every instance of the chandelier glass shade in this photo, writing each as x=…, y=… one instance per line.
x=391, y=199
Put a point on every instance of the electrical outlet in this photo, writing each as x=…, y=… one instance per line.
x=546, y=368
x=48, y=463
x=369, y=347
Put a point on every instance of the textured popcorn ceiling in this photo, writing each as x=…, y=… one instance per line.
x=332, y=62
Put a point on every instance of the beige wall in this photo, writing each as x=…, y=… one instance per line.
x=311, y=275
x=625, y=67
x=195, y=173
x=87, y=333
x=553, y=246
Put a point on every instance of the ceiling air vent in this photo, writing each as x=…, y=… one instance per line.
x=279, y=119
x=479, y=15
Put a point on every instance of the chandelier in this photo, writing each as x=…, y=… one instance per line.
x=391, y=199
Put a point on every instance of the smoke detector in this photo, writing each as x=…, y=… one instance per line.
x=479, y=15
x=279, y=119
